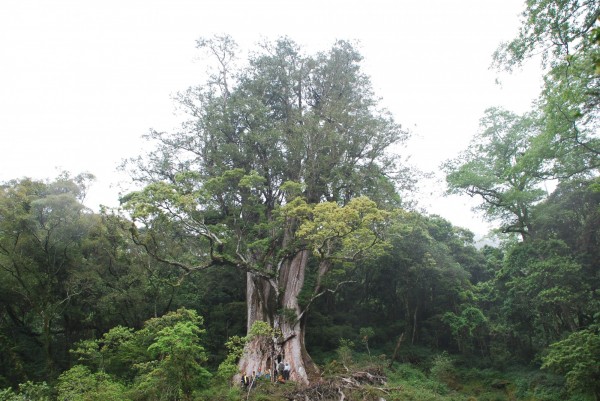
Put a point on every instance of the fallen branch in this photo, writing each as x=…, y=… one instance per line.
x=396, y=350
x=337, y=387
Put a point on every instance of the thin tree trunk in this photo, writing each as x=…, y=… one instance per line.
x=396, y=350
x=414, y=328
x=47, y=339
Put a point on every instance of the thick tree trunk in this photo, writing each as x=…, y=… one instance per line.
x=279, y=307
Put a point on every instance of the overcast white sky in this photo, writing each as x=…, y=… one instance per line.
x=82, y=80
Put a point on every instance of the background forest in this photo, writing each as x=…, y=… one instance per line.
x=274, y=219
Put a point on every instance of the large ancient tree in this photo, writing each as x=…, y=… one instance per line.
x=282, y=172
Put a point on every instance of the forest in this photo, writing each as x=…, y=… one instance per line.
x=272, y=227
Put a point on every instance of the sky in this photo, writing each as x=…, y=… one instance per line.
x=82, y=80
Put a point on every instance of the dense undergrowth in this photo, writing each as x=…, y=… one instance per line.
x=439, y=377
x=442, y=378
x=163, y=362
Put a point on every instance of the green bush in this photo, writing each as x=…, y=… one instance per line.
x=577, y=357
x=80, y=384
x=344, y=352
x=28, y=391
x=537, y=385
x=442, y=368
x=221, y=393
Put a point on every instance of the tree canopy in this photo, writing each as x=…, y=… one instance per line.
x=558, y=139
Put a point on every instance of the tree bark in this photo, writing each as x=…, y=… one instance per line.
x=280, y=309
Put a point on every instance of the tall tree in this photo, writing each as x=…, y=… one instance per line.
x=267, y=177
x=124, y=286
x=406, y=291
x=42, y=227
x=499, y=168
x=544, y=290
x=565, y=33
x=578, y=358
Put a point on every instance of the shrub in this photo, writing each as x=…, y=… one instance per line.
x=344, y=352
x=80, y=384
x=27, y=391
x=442, y=369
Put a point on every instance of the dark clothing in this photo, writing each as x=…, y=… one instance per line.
x=286, y=371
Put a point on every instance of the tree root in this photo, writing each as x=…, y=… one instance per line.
x=336, y=388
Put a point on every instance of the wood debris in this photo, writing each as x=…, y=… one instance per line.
x=337, y=388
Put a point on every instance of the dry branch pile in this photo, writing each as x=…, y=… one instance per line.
x=338, y=388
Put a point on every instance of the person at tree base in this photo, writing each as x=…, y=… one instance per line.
x=286, y=371
x=245, y=381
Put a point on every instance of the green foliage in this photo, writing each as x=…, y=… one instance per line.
x=345, y=232
x=112, y=352
x=557, y=28
x=413, y=384
x=163, y=361
x=544, y=288
x=260, y=328
x=220, y=184
x=534, y=384
x=564, y=33
x=558, y=139
x=365, y=333
x=81, y=384
x=498, y=168
x=469, y=325
x=577, y=357
x=428, y=256
x=221, y=393
x=344, y=352
x=442, y=369
x=28, y=391
x=288, y=314
x=290, y=157
x=43, y=226
x=228, y=368
x=179, y=356
x=172, y=367
x=285, y=155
